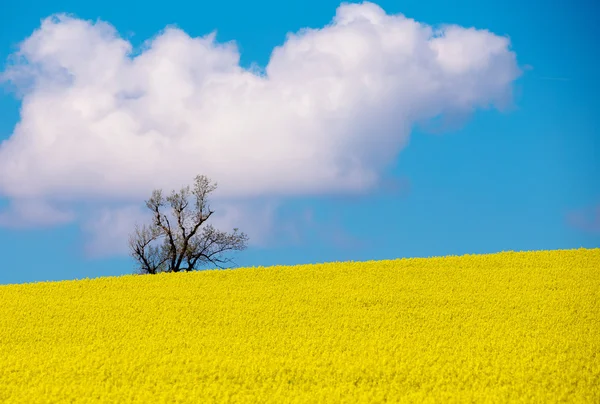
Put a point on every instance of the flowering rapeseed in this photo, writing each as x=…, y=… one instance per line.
x=494, y=328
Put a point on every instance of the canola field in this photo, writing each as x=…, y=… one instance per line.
x=507, y=327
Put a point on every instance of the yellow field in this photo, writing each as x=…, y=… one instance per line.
x=488, y=328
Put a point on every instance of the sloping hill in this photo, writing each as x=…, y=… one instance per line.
x=504, y=327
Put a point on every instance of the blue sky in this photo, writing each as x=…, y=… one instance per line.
x=520, y=175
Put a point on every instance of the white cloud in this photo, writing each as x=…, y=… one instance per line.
x=329, y=231
x=33, y=213
x=586, y=219
x=108, y=230
x=331, y=112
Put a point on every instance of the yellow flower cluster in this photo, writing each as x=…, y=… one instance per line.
x=487, y=328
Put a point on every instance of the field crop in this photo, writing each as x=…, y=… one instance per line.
x=505, y=327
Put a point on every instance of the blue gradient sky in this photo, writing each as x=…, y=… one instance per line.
x=524, y=179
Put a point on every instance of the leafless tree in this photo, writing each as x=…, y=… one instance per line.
x=184, y=246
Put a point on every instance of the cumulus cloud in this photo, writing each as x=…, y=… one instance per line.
x=34, y=213
x=329, y=232
x=331, y=111
x=107, y=229
x=585, y=219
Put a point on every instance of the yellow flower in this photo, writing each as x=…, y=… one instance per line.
x=500, y=327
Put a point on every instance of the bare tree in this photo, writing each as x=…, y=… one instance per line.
x=184, y=247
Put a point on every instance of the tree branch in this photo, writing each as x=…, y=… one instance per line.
x=183, y=242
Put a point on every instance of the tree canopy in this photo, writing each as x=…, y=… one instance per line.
x=179, y=243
